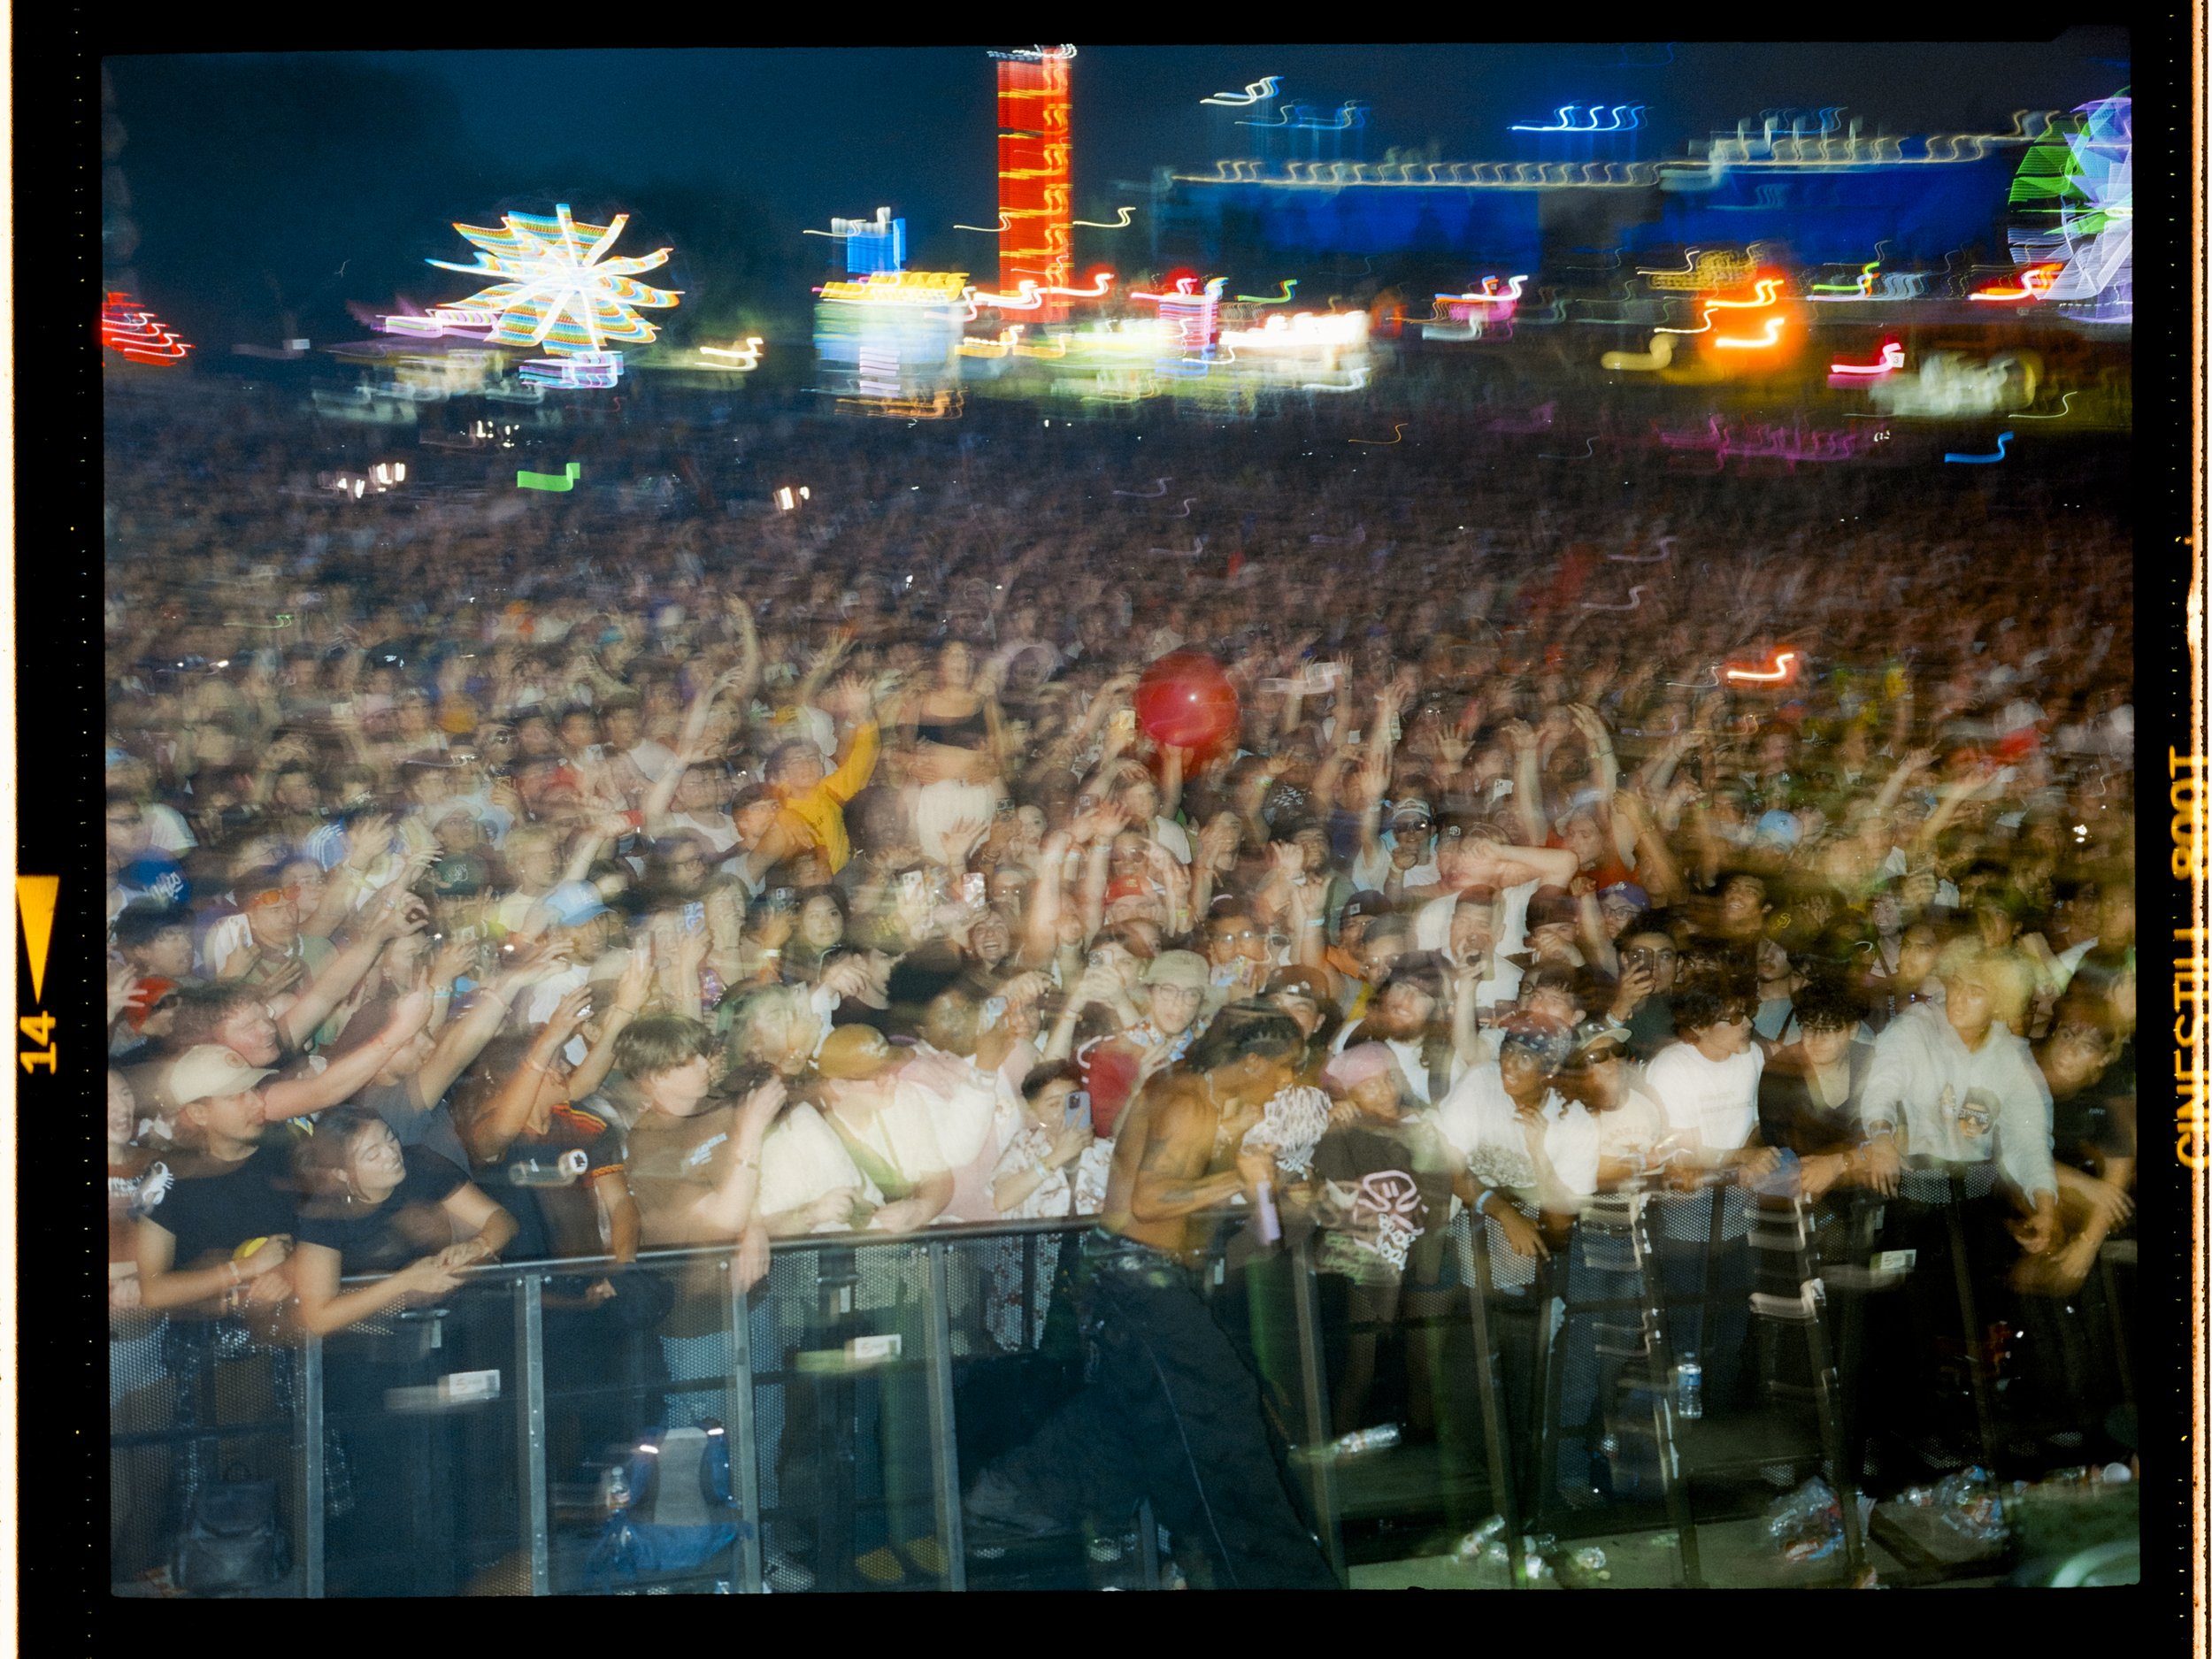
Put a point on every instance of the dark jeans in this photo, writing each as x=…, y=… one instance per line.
x=1168, y=1413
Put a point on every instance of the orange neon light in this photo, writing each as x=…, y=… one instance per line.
x=1035, y=244
x=1781, y=670
x=2035, y=281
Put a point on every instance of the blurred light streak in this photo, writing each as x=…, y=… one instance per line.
x=1267, y=299
x=136, y=333
x=2065, y=408
x=1589, y=449
x=988, y=230
x=1095, y=224
x=1149, y=494
x=1397, y=435
x=1265, y=87
x=561, y=293
x=558, y=482
x=741, y=359
x=1892, y=359
x=1661, y=355
x=2003, y=438
x=1635, y=601
x=2035, y=282
x=1781, y=671
x=1772, y=336
x=1035, y=243
x=1765, y=287
x=1566, y=125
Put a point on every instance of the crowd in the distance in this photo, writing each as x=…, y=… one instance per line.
x=616, y=875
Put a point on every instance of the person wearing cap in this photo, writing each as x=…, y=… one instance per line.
x=577, y=922
x=232, y=1190
x=889, y=1130
x=1600, y=1072
x=1411, y=1016
x=1531, y=1155
x=1383, y=1202
x=1170, y=1412
x=1179, y=986
x=813, y=796
x=1403, y=858
x=1620, y=907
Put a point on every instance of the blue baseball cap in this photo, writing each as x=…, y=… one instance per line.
x=575, y=902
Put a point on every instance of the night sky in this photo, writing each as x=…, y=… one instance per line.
x=257, y=180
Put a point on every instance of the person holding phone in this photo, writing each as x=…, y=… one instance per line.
x=1034, y=1177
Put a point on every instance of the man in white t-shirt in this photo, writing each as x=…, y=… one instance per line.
x=1468, y=854
x=1708, y=1085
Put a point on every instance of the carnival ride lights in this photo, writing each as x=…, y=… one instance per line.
x=136, y=334
x=1035, y=242
x=562, y=293
x=1467, y=316
x=2074, y=199
x=1193, y=314
x=871, y=244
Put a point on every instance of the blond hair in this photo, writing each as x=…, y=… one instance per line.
x=2003, y=972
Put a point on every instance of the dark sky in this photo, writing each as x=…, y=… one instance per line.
x=817, y=131
x=807, y=134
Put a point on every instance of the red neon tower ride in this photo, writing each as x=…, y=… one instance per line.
x=1034, y=241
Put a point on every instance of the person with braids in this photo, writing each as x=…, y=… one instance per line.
x=1171, y=1413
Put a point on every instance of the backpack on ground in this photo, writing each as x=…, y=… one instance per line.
x=231, y=1541
x=676, y=1509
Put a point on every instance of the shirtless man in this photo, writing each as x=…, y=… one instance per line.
x=1171, y=1413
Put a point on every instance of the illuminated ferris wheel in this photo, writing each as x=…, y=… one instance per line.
x=2073, y=205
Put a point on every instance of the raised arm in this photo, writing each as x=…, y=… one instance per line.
x=398, y=912
x=341, y=1080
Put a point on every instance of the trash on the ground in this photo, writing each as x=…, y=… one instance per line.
x=1590, y=1559
x=1808, y=1523
x=1666, y=1540
x=1971, y=1506
x=1366, y=1440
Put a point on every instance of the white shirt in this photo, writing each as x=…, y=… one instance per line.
x=1710, y=1105
x=800, y=1159
x=166, y=829
x=1432, y=931
x=223, y=940
x=1482, y=1124
x=1924, y=1081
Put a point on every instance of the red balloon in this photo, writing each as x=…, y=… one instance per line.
x=1184, y=700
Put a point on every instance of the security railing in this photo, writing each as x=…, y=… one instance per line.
x=481, y=1447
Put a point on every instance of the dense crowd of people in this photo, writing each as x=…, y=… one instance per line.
x=500, y=877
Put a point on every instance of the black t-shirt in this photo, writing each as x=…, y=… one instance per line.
x=1651, y=1027
x=398, y=1231
x=852, y=1011
x=1788, y=1117
x=211, y=1209
x=1401, y=1183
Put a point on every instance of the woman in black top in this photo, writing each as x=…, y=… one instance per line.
x=371, y=1206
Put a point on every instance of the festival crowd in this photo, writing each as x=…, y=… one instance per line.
x=585, y=877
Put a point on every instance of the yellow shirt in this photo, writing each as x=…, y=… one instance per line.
x=816, y=817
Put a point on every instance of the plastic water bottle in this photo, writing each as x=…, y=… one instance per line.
x=1368, y=1439
x=1689, y=1388
x=1265, y=1221
x=564, y=1170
